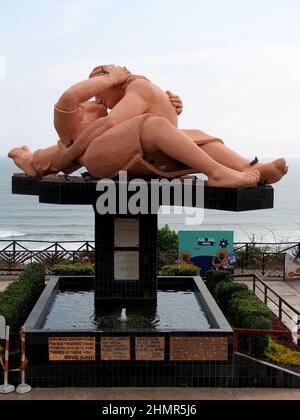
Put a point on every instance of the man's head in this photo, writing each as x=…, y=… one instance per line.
x=102, y=70
x=112, y=96
x=120, y=74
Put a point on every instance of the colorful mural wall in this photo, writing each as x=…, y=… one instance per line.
x=207, y=250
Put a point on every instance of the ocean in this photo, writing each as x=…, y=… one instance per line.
x=24, y=218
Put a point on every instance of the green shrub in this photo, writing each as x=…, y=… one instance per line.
x=243, y=308
x=180, y=270
x=280, y=354
x=244, y=305
x=167, y=258
x=213, y=278
x=19, y=298
x=167, y=240
x=255, y=344
x=225, y=290
x=248, y=312
x=77, y=269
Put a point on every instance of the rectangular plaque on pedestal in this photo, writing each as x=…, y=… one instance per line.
x=198, y=349
x=150, y=348
x=72, y=349
x=127, y=233
x=127, y=266
x=115, y=348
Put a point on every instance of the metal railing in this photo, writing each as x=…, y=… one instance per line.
x=265, y=258
x=15, y=255
x=281, y=305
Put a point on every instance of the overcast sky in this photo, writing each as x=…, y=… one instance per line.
x=236, y=64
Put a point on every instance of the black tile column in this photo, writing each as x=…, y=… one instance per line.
x=106, y=287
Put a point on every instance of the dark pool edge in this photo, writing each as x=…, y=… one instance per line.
x=204, y=297
x=211, y=307
x=42, y=306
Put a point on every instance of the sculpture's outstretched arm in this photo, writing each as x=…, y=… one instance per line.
x=84, y=91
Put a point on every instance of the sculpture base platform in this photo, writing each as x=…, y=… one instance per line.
x=79, y=191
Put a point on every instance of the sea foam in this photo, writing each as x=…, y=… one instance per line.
x=9, y=234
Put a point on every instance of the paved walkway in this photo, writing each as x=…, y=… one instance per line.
x=5, y=282
x=169, y=394
x=4, y=285
x=289, y=290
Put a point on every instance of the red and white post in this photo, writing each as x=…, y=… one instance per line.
x=6, y=388
x=23, y=388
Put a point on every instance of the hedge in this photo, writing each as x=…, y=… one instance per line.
x=74, y=270
x=247, y=311
x=225, y=290
x=180, y=270
x=18, y=300
x=243, y=309
x=255, y=344
x=213, y=278
x=245, y=305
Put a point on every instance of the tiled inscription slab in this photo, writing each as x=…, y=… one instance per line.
x=127, y=233
x=72, y=349
x=199, y=348
x=150, y=348
x=115, y=348
x=127, y=265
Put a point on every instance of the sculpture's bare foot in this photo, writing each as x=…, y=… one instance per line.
x=225, y=177
x=271, y=172
x=22, y=156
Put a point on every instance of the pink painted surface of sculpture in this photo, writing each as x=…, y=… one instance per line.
x=139, y=135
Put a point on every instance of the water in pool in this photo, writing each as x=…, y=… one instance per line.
x=75, y=310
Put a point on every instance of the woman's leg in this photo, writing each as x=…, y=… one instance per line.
x=158, y=134
x=270, y=172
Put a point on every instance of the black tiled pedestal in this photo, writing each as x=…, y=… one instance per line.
x=107, y=286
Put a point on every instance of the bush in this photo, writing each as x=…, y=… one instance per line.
x=17, y=301
x=213, y=278
x=245, y=305
x=167, y=258
x=243, y=308
x=167, y=240
x=255, y=344
x=74, y=270
x=225, y=290
x=248, y=312
x=180, y=270
x=283, y=355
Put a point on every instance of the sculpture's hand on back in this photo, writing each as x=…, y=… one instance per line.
x=176, y=101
